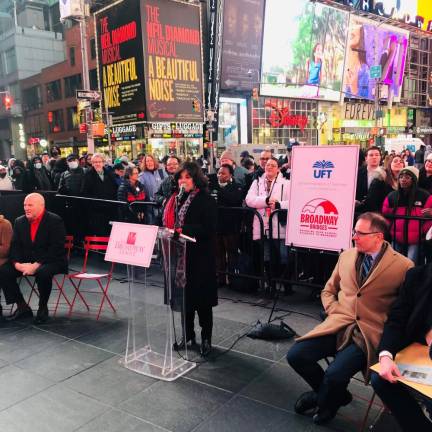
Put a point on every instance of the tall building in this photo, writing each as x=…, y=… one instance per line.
x=29, y=42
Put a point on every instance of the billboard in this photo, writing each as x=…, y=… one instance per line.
x=303, y=50
x=171, y=34
x=121, y=70
x=241, y=44
x=322, y=197
x=370, y=45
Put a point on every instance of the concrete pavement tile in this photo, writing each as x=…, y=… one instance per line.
x=61, y=361
x=178, y=406
x=53, y=410
x=109, y=382
x=18, y=384
x=119, y=421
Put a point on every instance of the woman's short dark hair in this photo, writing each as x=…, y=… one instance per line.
x=229, y=168
x=129, y=171
x=193, y=169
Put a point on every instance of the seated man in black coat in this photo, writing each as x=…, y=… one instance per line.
x=410, y=320
x=37, y=249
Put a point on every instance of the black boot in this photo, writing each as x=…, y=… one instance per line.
x=206, y=347
x=181, y=345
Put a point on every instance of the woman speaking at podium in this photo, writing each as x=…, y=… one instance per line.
x=192, y=211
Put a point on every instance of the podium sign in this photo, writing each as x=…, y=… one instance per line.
x=131, y=244
x=321, y=204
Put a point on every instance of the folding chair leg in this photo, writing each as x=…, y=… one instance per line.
x=105, y=296
x=61, y=293
x=77, y=293
x=366, y=416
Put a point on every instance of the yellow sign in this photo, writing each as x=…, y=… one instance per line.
x=424, y=9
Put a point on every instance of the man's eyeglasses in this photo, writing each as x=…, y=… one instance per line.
x=363, y=234
x=264, y=159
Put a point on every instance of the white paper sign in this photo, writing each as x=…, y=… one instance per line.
x=321, y=206
x=131, y=244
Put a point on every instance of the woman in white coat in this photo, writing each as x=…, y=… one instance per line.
x=266, y=194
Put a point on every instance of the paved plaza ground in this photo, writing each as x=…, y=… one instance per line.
x=66, y=375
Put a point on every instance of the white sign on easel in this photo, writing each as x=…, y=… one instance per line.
x=322, y=198
x=131, y=244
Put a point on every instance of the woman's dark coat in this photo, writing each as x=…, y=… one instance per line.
x=201, y=223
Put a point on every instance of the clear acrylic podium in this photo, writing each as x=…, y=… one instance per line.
x=156, y=320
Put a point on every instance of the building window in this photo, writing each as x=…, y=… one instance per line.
x=10, y=61
x=53, y=90
x=93, y=80
x=32, y=98
x=72, y=118
x=55, y=121
x=15, y=92
x=72, y=84
x=92, y=49
x=72, y=56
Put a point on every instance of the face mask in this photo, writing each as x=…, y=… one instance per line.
x=222, y=184
x=73, y=165
x=2, y=175
x=38, y=165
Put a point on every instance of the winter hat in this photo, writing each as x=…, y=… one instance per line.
x=72, y=157
x=412, y=171
x=227, y=155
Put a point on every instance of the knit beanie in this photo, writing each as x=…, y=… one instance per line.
x=227, y=155
x=412, y=171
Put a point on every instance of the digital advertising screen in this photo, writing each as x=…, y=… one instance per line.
x=172, y=49
x=241, y=44
x=369, y=45
x=303, y=50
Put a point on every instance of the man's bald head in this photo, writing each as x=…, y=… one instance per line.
x=34, y=205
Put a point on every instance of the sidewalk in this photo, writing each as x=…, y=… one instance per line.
x=65, y=375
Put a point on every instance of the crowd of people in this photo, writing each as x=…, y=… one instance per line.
x=375, y=302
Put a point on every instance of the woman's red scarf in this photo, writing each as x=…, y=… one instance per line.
x=169, y=212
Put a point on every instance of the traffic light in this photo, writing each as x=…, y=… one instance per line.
x=255, y=94
x=196, y=105
x=7, y=102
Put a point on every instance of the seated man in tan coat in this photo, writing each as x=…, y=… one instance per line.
x=357, y=299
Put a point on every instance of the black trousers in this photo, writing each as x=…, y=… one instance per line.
x=331, y=384
x=402, y=404
x=205, y=317
x=43, y=276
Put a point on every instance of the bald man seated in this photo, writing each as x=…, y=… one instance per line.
x=37, y=249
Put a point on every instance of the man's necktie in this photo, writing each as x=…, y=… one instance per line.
x=366, y=266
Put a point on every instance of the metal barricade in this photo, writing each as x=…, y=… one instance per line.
x=240, y=259
x=288, y=262
x=89, y=216
x=420, y=251
x=146, y=212
x=12, y=203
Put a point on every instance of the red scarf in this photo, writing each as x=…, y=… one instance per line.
x=169, y=212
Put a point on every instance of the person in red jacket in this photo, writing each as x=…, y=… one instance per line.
x=408, y=200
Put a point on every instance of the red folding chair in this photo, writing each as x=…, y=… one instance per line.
x=92, y=243
x=60, y=284
x=57, y=283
